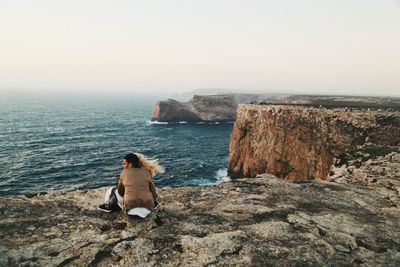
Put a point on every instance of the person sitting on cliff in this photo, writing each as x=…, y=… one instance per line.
x=135, y=192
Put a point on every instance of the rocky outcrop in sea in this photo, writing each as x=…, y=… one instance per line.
x=213, y=108
x=303, y=143
x=352, y=219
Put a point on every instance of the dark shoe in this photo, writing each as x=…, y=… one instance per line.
x=107, y=208
x=112, y=204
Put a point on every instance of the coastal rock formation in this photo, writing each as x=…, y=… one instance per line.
x=214, y=108
x=264, y=221
x=173, y=111
x=222, y=107
x=302, y=143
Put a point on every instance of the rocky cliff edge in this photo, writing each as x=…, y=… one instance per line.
x=353, y=219
x=303, y=143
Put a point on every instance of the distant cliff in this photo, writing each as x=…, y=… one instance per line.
x=215, y=108
x=219, y=108
x=302, y=143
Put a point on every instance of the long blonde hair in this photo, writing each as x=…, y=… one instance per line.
x=151, y=166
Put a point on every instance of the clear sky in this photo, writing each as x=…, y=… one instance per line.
x=299, y=46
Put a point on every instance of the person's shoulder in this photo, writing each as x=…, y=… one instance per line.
x=134, y=171
x=124, y=173
x=141, y=170
x=145, y=172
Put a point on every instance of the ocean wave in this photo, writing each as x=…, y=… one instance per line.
x=222, y=176
x=164, y=122
x=186, y=122
x=156, y=122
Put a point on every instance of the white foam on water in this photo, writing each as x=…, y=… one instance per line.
x=222, y=176
x=157, y=122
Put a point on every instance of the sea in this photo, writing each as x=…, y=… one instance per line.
x=66, y=142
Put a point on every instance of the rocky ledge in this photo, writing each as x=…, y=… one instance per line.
x=352, y=219
x=211, y=108
x=303, y=143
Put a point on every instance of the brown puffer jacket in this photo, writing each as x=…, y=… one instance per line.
x=137, y=188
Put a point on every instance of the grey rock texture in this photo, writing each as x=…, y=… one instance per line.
x=173, y=111
x=213, y=108
x=302, y=143
x=351, y=220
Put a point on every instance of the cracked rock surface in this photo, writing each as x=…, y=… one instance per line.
x=262, y=221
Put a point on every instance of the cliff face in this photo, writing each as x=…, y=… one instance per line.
x=173, y=111
x=216, y=108
x=300, y=143
x=262, y=221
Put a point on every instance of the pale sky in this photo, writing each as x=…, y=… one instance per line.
x=299, y=46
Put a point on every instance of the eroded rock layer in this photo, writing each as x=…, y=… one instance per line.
x=302, y=143
x=263, y=221
x=213, y=108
